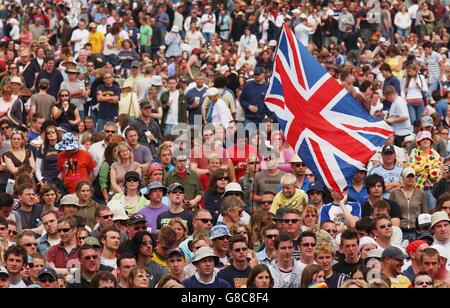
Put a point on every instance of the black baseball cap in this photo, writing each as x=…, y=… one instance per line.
x=388, y=149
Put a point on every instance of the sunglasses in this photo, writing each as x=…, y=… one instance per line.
x=132, y=180
x=310, y=216
x=386, y=226
x=110, y=131
x=47, y=279
x=65, y=230
x=271, y=236
x=108, y=216
x=205, y=220
x=82, y=238
x=292, y=221
x=298, y=165
x=3, y=228
x=331, y=230
x=178, y=192
x=225, y=178
x=5, y=127
x=30, y=244
x=12, y=232
x=222, y=238
x=147, y=243
x=308, y=244
x=423, y=283
x=243, y=249
x=92, y=257
x=140, y=228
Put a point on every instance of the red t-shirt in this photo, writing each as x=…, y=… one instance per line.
x=182, y=175
x=200, y=156
x=241, y=155
x=204, y=180
x=75, y=168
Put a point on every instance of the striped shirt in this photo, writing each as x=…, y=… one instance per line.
x=434, y=68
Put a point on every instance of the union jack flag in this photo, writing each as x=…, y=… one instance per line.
x=326, y=126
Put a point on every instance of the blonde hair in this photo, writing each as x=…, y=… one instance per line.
x=288, y=179
x=124, y=146
x=178, y=220
x=324, y=247
x=354, y=282
x=22, y=134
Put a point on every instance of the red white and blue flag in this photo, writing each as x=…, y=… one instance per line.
x=331, y=132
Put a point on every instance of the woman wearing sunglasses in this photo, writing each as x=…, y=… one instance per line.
x=46, y=156
x=65, y=111
x=131, y=198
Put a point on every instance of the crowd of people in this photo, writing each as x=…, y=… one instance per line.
x=132, y=135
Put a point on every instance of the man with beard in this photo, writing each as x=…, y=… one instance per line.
x=391, y=265
x=89, y=258
x=110, y=240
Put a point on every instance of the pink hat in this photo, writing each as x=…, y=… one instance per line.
x=424, y=135
x=153, y=167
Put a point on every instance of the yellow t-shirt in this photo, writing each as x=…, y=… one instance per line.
x=401, y=282
x=298, y=200
x=96, y=39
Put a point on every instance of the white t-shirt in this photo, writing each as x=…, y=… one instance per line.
x=302, y=33
x=110, y=40
x=195, y=40
x=209, y=27
x=80, y=34
x=109, y=262
x=221, y=114
x=172, y=116
x=399, y=109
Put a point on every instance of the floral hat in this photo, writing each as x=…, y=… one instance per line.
x=68, y=143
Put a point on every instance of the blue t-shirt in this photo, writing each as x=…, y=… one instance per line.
x=333, y=212
x=361, y=196
x=389, y=175
x=108, y=111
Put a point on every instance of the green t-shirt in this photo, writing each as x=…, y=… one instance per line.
x=146, y=32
